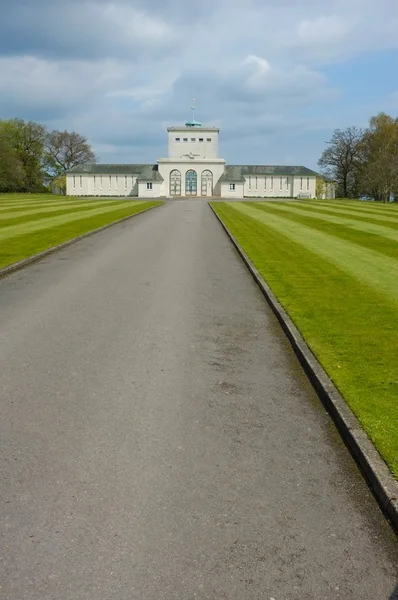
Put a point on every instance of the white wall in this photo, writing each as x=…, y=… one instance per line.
x=155, y=192
x=206, y=149
x=166, y=166
x=304, y=185
x=268, y=186
x=226, y=192
x=101, y=185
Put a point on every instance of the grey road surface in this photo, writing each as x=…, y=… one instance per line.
x=158, y=438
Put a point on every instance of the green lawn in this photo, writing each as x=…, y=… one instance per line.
x=31, y=223
x=334, y=268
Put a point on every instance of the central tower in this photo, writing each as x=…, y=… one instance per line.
x=192, y=167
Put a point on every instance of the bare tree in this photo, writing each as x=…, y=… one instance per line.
x=341, y=159
x=65, y=150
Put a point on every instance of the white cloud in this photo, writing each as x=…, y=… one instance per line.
x=120, y=70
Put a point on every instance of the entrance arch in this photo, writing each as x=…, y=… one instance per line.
x=175, y=183
x=207, y=183
x=191, y=183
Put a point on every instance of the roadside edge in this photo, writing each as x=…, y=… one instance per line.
x=378, y=476
x=21, y=264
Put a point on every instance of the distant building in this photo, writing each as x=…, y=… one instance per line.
x=192, y=169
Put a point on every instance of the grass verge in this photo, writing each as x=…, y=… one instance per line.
x=339, y=285
x=36, y=223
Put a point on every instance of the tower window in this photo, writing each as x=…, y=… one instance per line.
x=201, y=139
x=184, y=139
x=208, y=140
x=178, y=139
x=193, y=139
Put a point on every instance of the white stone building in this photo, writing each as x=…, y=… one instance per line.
x=191, y=169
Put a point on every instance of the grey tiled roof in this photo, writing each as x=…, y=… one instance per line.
x=143, y=172
x=238, y=172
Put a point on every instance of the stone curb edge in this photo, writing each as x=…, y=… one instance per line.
x=378, y=476
x=36, y=257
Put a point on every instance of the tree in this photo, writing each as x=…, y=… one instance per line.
x=27, y=141
x=379, y=147
x=65, y=150
x=11, y=170
x=320, y=188
x=340, y=161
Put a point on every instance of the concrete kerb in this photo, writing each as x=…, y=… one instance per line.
x=36, y=257
x=379, y=478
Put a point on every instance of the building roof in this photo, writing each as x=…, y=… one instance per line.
x=143, y=172
x=237, y=173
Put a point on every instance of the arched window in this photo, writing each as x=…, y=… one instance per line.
x=175, y=183
x=191, y=183
x=207, y=183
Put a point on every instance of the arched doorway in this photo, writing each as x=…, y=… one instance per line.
x=191, y=183
x=207, y=183
x=175, y=183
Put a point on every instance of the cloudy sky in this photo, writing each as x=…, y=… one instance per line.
x=277, y=76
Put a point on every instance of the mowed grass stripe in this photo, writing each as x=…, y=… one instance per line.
x=19, y=247
x=389, y=220
x=50, y=222
x=389, y=223
x=375, y=269
x=375, y=237
x=13, y=217
x=376, y=207
x=349, y=325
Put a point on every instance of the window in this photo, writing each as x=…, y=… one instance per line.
x=232, y=187
x=301, y=183
x=208, y=140
x=110, y=181
x=94, y=182
x=272, y=183
x=308, y=183
x=125, y=182
x=81, y=181
x=287, y=183
x=178, y=139
x=265, y=183
x=250, y=183
x=117, y=182
x=74, y=181
x=101, y=182
x=149, y=186
x=201, y=139
x=193, y=139
x=184, y=139
x=280, y=183
x=256, y=183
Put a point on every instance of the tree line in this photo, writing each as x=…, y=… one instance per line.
x=364, y=162
x=33, y=159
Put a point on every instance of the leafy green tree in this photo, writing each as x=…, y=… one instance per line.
x=27, y=141
x=379, y=148
x=11, y=170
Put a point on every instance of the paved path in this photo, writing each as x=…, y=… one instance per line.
x=158, y=438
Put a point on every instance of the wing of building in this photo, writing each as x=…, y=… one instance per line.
x=192, y=169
